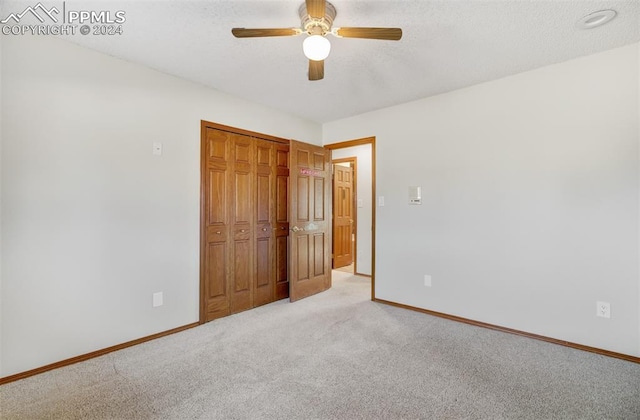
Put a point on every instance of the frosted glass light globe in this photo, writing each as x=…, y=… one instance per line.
x=316, y=47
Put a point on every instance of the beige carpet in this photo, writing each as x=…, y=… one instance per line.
x=336, y=355
x=346, y=269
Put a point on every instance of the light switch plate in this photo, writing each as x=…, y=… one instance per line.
x=157, y=299
x=415, y=195
x=427, y=280
x=381, y=201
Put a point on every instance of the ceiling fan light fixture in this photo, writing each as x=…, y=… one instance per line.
x=316, y=20
x=316, y=47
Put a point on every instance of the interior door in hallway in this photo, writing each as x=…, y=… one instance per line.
x=343, y=215
x=310, y=219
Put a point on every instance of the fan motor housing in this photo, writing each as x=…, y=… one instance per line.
x=317, y=26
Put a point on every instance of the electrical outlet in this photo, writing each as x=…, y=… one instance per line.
x=157, y=299
x=427, y=280
x=603, y=309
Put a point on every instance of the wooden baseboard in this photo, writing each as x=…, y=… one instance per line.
x=362, y=275
x=117, y=347
x=93, y=354
x=596, y=350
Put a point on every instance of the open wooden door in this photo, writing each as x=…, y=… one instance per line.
x=310, y=220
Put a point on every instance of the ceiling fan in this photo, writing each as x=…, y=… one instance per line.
x=316, y=18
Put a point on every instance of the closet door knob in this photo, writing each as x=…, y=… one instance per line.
x=264, y=229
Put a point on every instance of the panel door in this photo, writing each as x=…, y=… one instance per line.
x=244, y=222
x=241, y=197
x=215, y=252
x=310, y=232
x=281, y=215
x=264, y=287
x=342, y=216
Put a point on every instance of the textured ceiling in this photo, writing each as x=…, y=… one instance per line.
x=446, y=45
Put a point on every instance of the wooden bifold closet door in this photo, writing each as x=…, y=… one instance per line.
x=244, y=222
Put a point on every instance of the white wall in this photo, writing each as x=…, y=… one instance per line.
x=363, y=191
x=638, y=103
x=530, y=200
x=1, y=131
x=93, y=222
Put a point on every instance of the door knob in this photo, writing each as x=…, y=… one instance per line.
x=297, y=229
x=264, y=229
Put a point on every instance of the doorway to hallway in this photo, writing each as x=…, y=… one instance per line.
x=363, y=152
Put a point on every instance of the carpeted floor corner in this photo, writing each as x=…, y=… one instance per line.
x=336, y=355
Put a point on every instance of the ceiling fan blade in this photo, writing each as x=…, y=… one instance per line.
x=253, y=33
x=391, y=34
x=316, y=70
x=316, y=8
